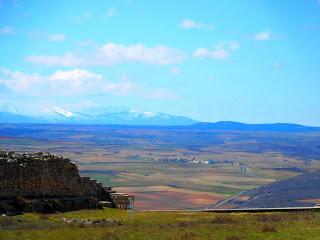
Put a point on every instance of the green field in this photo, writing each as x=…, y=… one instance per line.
x=163, y=225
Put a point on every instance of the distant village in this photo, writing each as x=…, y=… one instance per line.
x=193, y=160
x=243, y=167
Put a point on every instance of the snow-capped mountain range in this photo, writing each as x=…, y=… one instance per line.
x=101, y=115
x=125, y=116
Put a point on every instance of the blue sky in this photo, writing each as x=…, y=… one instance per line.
x=242, y=60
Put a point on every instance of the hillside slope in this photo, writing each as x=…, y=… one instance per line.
x=299, y=191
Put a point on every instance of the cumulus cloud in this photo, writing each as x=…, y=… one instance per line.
x=189, y=24
x=221, y=51
x=57, y=37
x=76, y=81
x=7, y=30
x=18, y=81
x=112, y=53
x=116, y=53
x=111, y=12
x=263, y=36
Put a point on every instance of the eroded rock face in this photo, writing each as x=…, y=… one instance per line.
x=47, y=177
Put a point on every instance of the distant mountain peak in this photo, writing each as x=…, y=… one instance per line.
x=99, y=115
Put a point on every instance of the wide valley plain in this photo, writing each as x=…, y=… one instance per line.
x=172, y=167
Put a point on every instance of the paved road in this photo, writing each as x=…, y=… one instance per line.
x=224, y=201
x=286, y=209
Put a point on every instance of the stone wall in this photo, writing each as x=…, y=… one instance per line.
x=39, y=175
x=34, y=176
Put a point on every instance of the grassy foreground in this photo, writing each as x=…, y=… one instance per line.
x=163, y=225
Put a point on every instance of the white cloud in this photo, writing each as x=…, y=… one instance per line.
x=175, y=70
x=18, y=81
x=201, y=52
x=262, y=36
x=7, y=30
x=189, y=24
x=220, y=54
x=221, y=51
x=75, y=82
x=57, y=37
x=111, y=12
x=112, y=53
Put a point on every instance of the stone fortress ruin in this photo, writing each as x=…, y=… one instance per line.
x=43, y=182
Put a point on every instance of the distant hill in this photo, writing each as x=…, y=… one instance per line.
x=272, y=127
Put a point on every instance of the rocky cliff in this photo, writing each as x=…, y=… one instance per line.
x=33, y=181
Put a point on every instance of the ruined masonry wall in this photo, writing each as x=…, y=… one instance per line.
x=39, y=175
